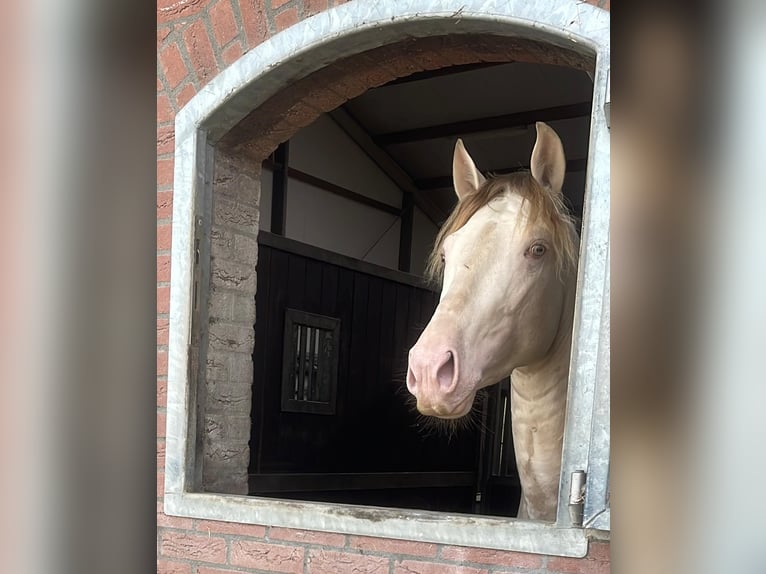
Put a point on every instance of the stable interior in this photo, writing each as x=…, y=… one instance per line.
x=349, y=209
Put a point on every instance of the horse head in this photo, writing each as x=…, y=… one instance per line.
x=506, y=258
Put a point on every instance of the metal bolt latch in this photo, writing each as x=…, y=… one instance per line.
x=577, y=497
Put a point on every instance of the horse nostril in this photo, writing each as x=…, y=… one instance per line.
x=446, y=373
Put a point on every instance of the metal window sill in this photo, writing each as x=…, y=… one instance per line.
x=422, y=526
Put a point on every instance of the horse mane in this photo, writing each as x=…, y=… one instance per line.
x=544, y=207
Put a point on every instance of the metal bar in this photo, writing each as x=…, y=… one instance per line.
x=504, y=406
x=314, y=366
x=309, y=364
x=302, y=365
x=481, y=472
x=445, y=182
x=597, y=488
x=386, y=163
x=203, y=215
x=323, y=365
x=279, y=188
x=439, y=72
x=495, y=123
x=590, y=334
x=296, y=366
x=341, y=191
x=325, y=185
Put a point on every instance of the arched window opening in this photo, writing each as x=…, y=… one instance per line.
x=370, y=182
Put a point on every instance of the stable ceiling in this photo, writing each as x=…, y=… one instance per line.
x=416, y=120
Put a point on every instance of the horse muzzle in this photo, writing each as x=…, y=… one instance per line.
x=432, y=377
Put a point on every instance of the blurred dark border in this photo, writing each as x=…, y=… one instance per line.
x=108, y=332
x=664, y=70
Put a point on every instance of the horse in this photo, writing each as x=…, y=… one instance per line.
x=506, y=258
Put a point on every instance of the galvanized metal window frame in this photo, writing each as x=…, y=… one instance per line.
x=261, y=73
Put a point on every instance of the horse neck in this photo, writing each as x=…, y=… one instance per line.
x=549, y=375
x=538, y=410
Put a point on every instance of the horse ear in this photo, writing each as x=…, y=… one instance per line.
x=548, y=163
x=466, y=177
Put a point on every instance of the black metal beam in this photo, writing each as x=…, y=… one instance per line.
x=507, y=121
x=279, y=188
x=445, y=182
x=386, y=163
x=322, y=184
x=342, y=191
x=448, y=71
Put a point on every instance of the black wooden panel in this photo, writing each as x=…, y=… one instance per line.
x=345, y=300
x=368, y=392
x=328, y=257
x=401, y=348
x=386, y=345
x=273, y=309
x=312, y=302
x=296, y=282
x=358, y=348
x=260, y=354
x=414, y=324
x=329, y=304
x=375, y=427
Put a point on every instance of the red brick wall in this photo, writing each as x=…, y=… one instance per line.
x=196, y=39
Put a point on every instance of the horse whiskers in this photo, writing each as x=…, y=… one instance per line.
x=431, y=426
x=434, y=426
x=401, y=390
x=400, y=377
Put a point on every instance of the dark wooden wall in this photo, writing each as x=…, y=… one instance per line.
x=375, y=428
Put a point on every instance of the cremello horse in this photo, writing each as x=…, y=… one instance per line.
x=507, y=259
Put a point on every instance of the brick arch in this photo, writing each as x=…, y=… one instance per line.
x=197, y=39
x=299, y=104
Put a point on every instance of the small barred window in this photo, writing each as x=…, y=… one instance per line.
x=310, y=363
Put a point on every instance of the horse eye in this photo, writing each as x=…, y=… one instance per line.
x=443, y=258
x=537, y=250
